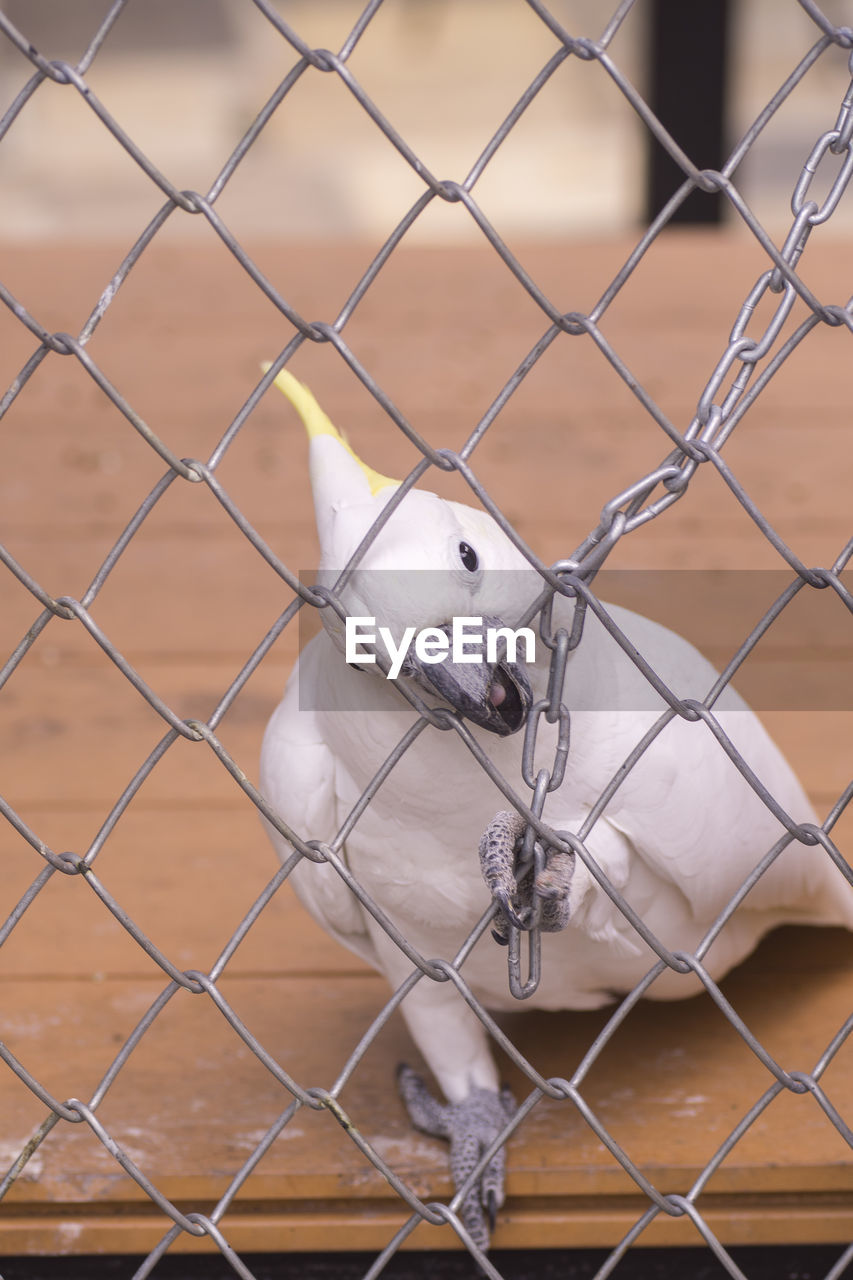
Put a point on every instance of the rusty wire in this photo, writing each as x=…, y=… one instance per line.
x=747, y=362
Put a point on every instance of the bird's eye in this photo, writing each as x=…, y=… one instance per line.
x=468, y=556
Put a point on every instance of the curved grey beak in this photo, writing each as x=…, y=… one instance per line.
x=496, y=696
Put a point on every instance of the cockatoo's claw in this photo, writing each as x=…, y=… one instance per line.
x=553, y=889
x=510, y=914
x=470, y=1126
x=491, y=1206
x=424, y=1111
x=497, y=863
x=548, y=890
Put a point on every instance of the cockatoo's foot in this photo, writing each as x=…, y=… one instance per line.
x=470, y=1126
x=548, y=890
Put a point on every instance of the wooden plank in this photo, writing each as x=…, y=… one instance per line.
x=77, y=732
x=315, y=1229
x=187, y=603
x=669, y=1088
x=155, y=863
x=572, y=419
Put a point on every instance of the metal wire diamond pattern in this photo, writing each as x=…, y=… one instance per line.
x=747, y=363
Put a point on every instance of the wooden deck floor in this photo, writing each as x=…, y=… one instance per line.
x=189, y=601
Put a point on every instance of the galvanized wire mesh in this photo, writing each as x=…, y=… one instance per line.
x=748, y=360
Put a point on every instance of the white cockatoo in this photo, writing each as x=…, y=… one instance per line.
x=677, y=839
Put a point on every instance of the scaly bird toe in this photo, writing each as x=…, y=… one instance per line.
x=470, y=1126
x=553, y=886
x=497, y=864
x=546, y=891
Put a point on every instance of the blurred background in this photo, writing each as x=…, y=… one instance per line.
x=186, y=80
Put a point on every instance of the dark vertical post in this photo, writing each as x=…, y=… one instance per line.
x=688, y=47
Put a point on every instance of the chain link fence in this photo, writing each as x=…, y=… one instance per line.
x=750, y=355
